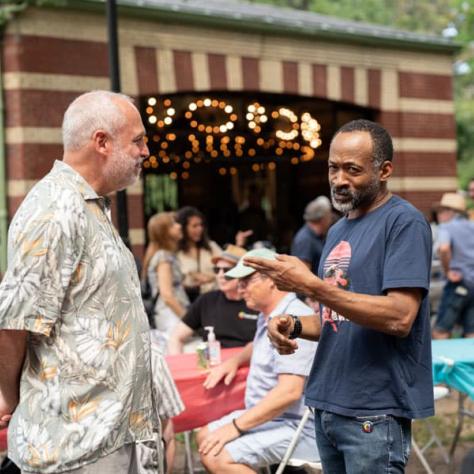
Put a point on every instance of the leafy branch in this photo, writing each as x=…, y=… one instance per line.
x=9, y=8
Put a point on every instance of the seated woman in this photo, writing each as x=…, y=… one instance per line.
x=224, y=309
x=163, y=272
x=195, y=253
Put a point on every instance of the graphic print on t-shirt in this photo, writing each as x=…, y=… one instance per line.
x=335, y=273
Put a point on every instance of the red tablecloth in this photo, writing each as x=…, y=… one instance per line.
x=203, y=406
x=3, y=440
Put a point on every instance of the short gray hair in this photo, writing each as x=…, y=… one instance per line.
x=95, y=110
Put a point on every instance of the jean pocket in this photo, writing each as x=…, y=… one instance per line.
x=372, y=418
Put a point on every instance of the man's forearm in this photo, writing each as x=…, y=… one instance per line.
x=245, y=355
x=311, y=327
x=392, y=313
x=444, y=253
x=12, y=355
x=175, y=346
x=275, y=402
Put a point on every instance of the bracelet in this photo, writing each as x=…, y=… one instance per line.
x=297, y=328
x=241, y=432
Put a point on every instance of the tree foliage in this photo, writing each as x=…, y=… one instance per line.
x=9, y=8
x=453, y=18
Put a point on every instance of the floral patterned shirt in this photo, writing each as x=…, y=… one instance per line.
x=85, y=387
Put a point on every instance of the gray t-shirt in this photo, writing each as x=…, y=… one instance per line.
x=459, y=233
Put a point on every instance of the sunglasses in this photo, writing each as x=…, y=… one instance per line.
x=216, y=270
x=245, y=282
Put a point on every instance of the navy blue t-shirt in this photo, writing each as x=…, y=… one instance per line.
x=359, y=371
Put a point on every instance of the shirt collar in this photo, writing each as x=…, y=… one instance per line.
x=84, y=188
x=282, y=306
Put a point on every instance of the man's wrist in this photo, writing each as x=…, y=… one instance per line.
x=297, y=327
x=237, y=427
x=312, y=287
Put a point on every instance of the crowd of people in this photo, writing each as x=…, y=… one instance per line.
x=84, y=385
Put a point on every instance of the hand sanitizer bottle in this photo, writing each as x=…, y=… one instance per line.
x=214, y=347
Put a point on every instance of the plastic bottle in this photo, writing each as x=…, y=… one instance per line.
x=214, y=347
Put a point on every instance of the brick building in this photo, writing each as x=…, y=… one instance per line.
x=181, y=52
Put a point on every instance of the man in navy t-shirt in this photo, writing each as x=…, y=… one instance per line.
x=372, y=371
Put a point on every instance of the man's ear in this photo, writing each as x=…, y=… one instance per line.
x=101, y=142
x=386, y=170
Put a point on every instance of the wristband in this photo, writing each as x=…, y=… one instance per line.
x=241, y=432
x=297, y=328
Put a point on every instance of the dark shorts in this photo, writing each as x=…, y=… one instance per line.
x=456, y=307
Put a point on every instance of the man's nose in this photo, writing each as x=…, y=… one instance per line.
x=339, y=179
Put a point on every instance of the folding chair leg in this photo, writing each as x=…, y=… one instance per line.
x=435, y=440
x=188, y=451
x=421, y=457
x=461, y=414
x=294, y=440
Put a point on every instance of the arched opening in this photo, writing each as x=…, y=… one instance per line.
x=231, y=153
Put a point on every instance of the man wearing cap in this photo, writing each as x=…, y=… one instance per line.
x=456, y=253
x=224, y=309
x=260, y=434
x=372, y=371
x=309, y=240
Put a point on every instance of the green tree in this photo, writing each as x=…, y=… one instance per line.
x=454, y=18
x=9, y=8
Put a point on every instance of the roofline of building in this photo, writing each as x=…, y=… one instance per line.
x=182, y=15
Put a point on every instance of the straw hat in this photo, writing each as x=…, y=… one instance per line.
x=453, y=201
x=231, y=254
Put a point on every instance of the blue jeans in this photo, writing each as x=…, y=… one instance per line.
x=363, y=445
x=456, y=307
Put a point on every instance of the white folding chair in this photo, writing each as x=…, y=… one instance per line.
x=189, y=464
x=438, y=392
x=287, y=460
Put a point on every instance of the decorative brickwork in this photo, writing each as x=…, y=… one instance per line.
x=47, y=64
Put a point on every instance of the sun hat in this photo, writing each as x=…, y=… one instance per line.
x=453, y=201
x=317, y=209
x=242, y=271
x=231, y=254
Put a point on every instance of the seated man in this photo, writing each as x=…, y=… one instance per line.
x=260, y=434
x=224, y=309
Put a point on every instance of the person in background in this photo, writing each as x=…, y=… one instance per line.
x=195, y=253
x=253, y=218
x=224, y=309
x=309, y=240
x=259, y=435
x=456, y=253
x=162, y=269
x=75, y=374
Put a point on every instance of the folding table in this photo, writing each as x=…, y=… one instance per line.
x=453, y=365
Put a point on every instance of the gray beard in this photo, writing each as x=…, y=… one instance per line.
x=357, y=198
